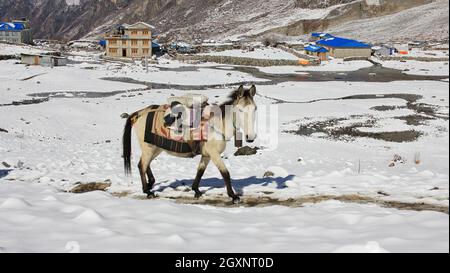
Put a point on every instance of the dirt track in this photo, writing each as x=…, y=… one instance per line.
x=220, y=201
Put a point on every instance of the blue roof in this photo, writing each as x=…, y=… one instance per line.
x=342, y=42
x=12, y=26
x=321, y=35
x=316, y=48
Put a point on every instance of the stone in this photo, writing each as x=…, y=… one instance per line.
x=246, y=150
x=94, y=186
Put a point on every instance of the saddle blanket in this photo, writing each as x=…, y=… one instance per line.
x=170, y=139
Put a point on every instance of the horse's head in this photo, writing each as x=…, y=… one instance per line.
x=245, y=109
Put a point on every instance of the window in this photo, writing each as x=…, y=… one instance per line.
x=145, y=32
x=113, y=50
x=112, y=42
x=134, y=42
x=145, y=51
x=134, y=32
x=124, y=42
x=134, y=51
x=145, y=42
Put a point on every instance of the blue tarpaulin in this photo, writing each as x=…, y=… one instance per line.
x=11, y=26
x=315, y=48
x=342, y=42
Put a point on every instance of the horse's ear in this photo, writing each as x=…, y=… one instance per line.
x=240, y=91
x=253, y=91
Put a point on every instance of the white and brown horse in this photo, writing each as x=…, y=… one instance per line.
x=236, y=114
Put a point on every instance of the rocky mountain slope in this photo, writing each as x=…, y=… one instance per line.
x=427, y=22
x=196, y=19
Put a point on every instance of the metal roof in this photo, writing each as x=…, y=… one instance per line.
x=321, y=35
x=5, y=26
x=316, y=48
x=342, y=43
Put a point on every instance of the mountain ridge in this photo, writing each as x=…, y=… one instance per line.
x=196, y=19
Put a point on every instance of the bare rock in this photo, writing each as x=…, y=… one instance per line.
x=397, y=159
x=6, y=165
x=94, y=186
x=246, y=150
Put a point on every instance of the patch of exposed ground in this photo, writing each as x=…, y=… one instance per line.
x=385, y=108
x=249, y=201
x=340, y=129
x=333, y=129
x=26, y=102
x=415, y=120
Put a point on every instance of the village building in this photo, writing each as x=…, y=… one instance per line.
x=130, y=41
x=316, y=36
x=18, y=31
x=48, y=60
x=402, y=49
x=318, y=51
x=383, y=50
x=345, y=48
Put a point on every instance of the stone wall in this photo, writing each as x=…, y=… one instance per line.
x=8, y=57
x=412, y=58
x=349, y=59
x=313, y=59
x=236, y=60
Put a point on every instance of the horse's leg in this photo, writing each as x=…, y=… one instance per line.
x=200, y=171
x=143, y=165
x=215, y=157
x=150, y=176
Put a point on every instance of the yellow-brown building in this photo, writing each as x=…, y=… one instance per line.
x=130, y=41
x=344, y=48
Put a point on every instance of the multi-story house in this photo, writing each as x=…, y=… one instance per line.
x=17, y=31
x=130, y=41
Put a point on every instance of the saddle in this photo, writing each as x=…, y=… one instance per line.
x=179, y=126
x=186, y=112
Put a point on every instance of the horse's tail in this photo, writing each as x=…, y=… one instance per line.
x=126, y=142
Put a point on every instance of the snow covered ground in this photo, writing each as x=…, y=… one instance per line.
x=7, y=49
x=330, y=65
x=37, y=218
x=418, y=52
x=419, y=68
x=327, y=146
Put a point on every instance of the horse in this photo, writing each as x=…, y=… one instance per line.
x=224, y=126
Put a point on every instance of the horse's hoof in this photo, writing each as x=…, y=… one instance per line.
x=151, y=195
x=236, y=200
x=198, y=195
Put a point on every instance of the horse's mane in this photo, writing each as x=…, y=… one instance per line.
x=234, y=96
